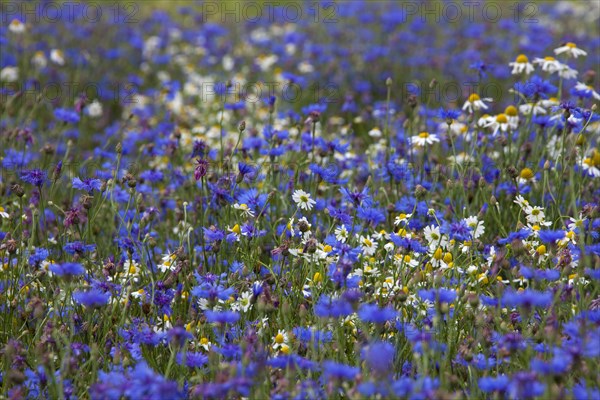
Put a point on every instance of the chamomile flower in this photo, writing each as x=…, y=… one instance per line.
x=535, y=215
x=475, y=103
x=205, y=343
x=477, y=226
x=341, y=233
x=168, y=263
x=16, y=26
x=39, y=60
x=434, y=237
x=591, y=164
x=57, y=57
x=570, y=49
x=402, y=219
x=512, y=114
x=526, y=176
x=567, y=72
x=9, y=74
x=368, y=245
x=535, y=108
x=521, y=64
x=576, y=223
x=499, y=122
x=3, y=212
x=549, y=64
x=583, y=90
x=246, y=211
x=423, y=139
x=303, y=200
x=280, y=340
x=375, y=133
x=94, y=110
x=243, y=303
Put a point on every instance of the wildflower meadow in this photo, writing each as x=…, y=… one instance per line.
x=299, y=200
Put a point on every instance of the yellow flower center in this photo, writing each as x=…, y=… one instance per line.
x=541, y=250
x=501, y=119
x=407, y=259
x=448, y=258
x=279, y=338
x=438, y=254
x=423, y=135
x=511, y=111
x=317, y=277
x=285, y=349
x=367, y=242
x=522, y=59
x=571, y=45
x=526, y=173
x=236, y=229
x=303, y=199
x=204, y=341
x=473, y=97
x=549, y=58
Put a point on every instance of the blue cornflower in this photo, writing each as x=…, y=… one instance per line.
x=192, y=359
x=78, y=247
x=39, y=254
x=548, y=236
x=441, y=295
x=519, y=235
x=67, y=269
x=527, y=298
x=87, y=184
x=480, y=67
x=536, y=87
x=448, y=115
x=335, y=308
x=91, y=298
x=222, y=317
x=65, y=115
x=35, y=177
x=334, y=370
x=490, y=384
x=372, y=313
x=379, y=357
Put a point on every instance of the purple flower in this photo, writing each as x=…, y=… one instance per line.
x=222, y=317
x=334, y=370
x=91, y=298
x=67, y=269
x=440, y=295
x=372, y=313
x=379, y=357
x=62, y=114
x=527, y=299
x=36, y=177
x=89, y=185
x=493, y=384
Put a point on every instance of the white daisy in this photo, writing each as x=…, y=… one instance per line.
x=9, y=74
x=570, y=49
x=588, y=90
x=3, y=213
x=549, y=64
x=303, y=200
x=476, y=225
x=368, y=245
x=57, y=57
x=246, y=211
x=474, y=103
x=341, y=234
x=521, y=64
x=423, y=139
x=16, y=26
